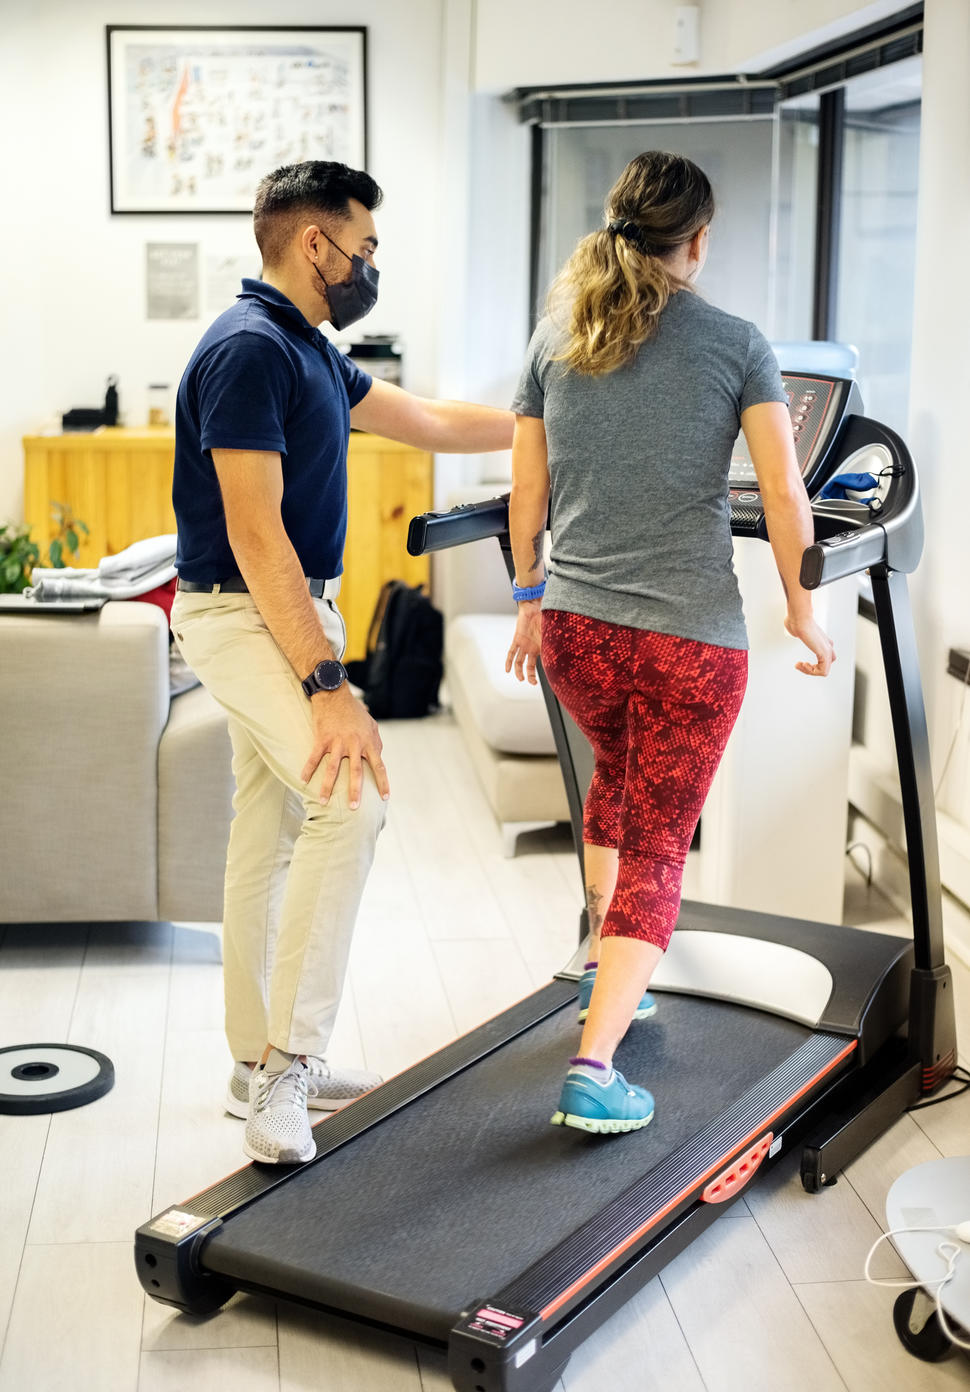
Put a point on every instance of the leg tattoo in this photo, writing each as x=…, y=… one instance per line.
x=596, y=907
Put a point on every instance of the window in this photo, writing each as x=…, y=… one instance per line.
x=798, y=121
x=877, y=238
x=581, y=163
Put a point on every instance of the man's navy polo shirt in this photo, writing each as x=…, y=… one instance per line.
x=262, y=378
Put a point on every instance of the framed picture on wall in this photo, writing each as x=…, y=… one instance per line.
x=197, y=116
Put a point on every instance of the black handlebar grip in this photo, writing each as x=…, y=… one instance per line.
x=848, y=553
x=436, y=531
x=417, y=535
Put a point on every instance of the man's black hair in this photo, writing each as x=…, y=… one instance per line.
x=314, y=188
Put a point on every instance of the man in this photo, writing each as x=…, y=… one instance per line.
x=260, y=491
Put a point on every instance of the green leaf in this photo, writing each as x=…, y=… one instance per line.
x=70, y=537
x=56, y=553
x=84, y=527
x=11, y=572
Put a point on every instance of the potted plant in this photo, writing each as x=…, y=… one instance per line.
x=19, y=554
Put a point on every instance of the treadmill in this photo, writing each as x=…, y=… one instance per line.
x=443, y=1206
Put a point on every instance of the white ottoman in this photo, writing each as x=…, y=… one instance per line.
x=505, y=724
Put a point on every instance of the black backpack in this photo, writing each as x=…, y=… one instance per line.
x=402, y=671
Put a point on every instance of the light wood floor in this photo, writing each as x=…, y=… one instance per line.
x=771, y=1297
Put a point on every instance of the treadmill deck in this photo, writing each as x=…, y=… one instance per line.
x=497, y=1186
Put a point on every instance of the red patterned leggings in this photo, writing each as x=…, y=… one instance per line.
x=657, y=711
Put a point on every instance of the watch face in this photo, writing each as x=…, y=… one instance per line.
x=329, y=675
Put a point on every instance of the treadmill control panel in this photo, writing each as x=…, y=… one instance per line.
x=817, y=405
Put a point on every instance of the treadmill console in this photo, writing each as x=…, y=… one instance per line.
x=818, y=406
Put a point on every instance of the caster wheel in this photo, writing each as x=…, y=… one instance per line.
x=809, y=1171
x=926, y=1340
x=813, y=1180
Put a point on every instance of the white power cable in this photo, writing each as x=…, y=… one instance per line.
x=948, y=1251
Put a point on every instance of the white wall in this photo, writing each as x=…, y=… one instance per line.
x=751, y=35
x=565, y=41
x=938, y=393
x=74, y=299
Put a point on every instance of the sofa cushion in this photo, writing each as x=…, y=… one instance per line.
x=195, y=788
x=510, y=715
x=83, y=699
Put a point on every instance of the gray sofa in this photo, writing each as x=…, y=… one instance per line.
x=115, y=797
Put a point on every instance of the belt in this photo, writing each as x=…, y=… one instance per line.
x=235, y=584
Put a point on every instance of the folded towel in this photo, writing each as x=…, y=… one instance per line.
x=141, y=567
x=143, y=556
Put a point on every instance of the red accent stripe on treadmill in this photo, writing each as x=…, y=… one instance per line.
x=183, y=1202
x=621, y=1247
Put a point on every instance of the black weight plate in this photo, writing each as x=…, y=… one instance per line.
x=41, y=1078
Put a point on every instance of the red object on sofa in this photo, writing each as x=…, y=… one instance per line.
x=162, y=595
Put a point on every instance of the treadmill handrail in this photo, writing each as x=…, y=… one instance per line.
x=437, y=531
x=891, y=537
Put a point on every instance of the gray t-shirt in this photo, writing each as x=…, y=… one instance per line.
x=639, y=461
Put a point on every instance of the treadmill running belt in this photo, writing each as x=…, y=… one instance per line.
x=454, y=1196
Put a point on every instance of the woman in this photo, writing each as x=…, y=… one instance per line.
x=627, y=410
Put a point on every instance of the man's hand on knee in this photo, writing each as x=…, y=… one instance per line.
x=344, y=729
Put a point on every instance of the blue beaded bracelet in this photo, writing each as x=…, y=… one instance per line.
x=533, y=591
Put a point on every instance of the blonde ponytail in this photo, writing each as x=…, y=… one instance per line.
x=611, y=292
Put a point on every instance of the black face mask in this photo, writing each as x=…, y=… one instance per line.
x=351, y=299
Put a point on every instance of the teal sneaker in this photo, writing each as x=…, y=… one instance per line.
x=604, y=1107
x=646, y=1008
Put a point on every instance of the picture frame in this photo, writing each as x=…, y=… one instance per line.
x=197, y=114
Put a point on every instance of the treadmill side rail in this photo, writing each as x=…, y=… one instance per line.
x=844, y=1135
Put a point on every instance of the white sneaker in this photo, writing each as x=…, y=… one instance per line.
x=277, y=1127
x=329, y=1088
x=237, y=1093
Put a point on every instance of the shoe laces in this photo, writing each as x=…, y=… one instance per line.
x=318, y=1069
x=286, y=1089
x=630, y=1092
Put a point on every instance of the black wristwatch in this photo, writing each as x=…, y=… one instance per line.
x=326, y=676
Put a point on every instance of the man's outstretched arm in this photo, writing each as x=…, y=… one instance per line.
x=449, y=427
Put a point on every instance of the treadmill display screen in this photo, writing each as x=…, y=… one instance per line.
x=812, y=403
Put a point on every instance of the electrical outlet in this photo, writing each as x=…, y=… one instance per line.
x=959, y=664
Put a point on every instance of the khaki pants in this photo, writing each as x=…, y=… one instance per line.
x=296, y=867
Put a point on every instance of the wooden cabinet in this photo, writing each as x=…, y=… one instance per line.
x=388, y=484
x=119, y=482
